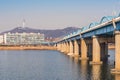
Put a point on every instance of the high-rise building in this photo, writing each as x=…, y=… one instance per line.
x=23, y=38
x=1, y=39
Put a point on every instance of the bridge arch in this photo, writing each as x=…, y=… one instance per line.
x=84, y=28
x=119, y=15
x=93, y=24
x=106, y=18
x=78, y=31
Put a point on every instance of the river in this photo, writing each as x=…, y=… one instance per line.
x=51, y=65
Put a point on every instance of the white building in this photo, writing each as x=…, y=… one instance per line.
x=1, y=39
x=23, y=38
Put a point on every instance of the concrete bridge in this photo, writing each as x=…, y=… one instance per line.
x=91, y=42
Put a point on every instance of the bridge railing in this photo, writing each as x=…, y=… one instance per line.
x=92, y=25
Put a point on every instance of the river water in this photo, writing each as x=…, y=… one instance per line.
x=51, y=65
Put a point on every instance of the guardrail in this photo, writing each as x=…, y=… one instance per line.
x=106, y=20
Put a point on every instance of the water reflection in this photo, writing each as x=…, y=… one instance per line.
x=76, y=59
x=96, y=71
x=84, y=69
x=117, y=77
x=51, y=65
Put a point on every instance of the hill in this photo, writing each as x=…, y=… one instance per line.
x=48, y=33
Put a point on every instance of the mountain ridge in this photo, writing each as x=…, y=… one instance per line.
x=48, y=33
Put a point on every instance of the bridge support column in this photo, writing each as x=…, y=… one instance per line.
x=76, y=49
x=96, y=51
x=67, y=47
x=62, y=47
x=71, y=48
x=117, y=53
x=58, y=47
x=83, y=50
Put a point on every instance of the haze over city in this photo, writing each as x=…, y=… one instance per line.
x=59, y=39
x=54, y=14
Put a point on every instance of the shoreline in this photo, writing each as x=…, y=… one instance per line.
x=27, y=48
x=37, y=47
x=111, y=46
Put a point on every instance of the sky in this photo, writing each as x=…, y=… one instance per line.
x=54, y=14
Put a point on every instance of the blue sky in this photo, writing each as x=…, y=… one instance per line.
x=53, y=14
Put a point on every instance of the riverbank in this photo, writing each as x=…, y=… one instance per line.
x=27, y=48
x=111, y=46
x=37, y=47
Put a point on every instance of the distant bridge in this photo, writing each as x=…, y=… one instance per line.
x=92, y=41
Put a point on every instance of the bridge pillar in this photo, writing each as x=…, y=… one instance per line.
x=83, y=50
x=62, y=47
x=117, y=53
x=58, y=47
x=96, y=51
x=76, y=48
x=71, y=49
x=67, y=47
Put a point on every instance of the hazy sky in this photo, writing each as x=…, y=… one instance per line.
x=53, y=14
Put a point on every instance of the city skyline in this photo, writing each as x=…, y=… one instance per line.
x=53, y=14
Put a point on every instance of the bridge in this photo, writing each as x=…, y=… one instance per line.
x=91, y=42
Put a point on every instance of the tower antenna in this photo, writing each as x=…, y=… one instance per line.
x=23, y=23
x=114, y=13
